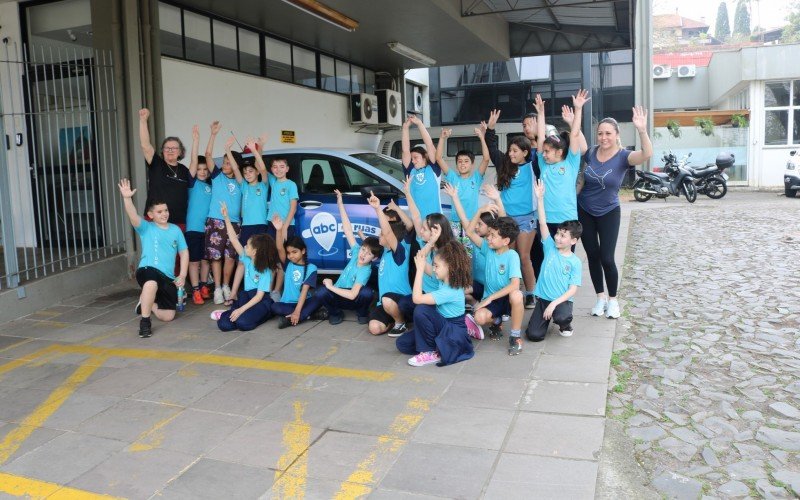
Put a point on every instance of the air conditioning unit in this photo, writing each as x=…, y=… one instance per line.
x=687, y=70
x=661, y=71
x=417, y=100
x=363, y=109
x=390, y=109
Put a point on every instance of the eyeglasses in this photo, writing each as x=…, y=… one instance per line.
x=176, y=148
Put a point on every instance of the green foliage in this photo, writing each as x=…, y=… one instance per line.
x=741, y=20
x=739, y=121
x=622, y=381
x=791, y=32
x=674, y=128
x=706, y=125
x=723, y=25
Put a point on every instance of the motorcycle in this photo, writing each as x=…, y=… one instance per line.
x=712, y=180
x=675, y=180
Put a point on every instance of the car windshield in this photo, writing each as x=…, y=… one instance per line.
x=385, y=164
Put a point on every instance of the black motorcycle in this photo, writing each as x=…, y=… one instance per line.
x=673, y=181
x=712, y=180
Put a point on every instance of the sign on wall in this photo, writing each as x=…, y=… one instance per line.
x=287, y=136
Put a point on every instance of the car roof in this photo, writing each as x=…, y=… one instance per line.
x=333, y=151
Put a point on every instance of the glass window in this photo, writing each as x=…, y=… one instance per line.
x=169, y=20
x=198, y=37
x=796, y=92
x=384, y=163
x=279, y=59
x=567, y=67
x=456, y=144
x=225, y=45
x=342, y=77
x=477, y=73
x=305, y=67
x=510, y=101
x=357, y=78
x=327, y=73
x=796, y=127
x=620, y=75
x=369, y=81
x=450, y=76
x=358, y=179
x=776, y=94
x=777, y=126
x=249, y=52
x=318, y=176
x=533, y=68
x=616, y=57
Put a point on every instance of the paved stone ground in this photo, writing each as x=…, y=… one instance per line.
x=706, y=373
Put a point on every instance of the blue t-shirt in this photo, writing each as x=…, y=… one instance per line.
x=254, y=203
x=449, y=301
x=199, y=202
x=253, y=278
x=393, y=271
x=425, y=188
x=560, y=200
x=353, y=273
x=429, y=282
x=558, y=272
x=601, y=182
x=294, y=277
x=160, y=246
x=283, y=192
x=229, y=190
x=501, y=268
x=478, y=265
x=518, y=198
x=469, y=190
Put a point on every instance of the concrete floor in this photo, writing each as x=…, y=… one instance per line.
x=317, y=411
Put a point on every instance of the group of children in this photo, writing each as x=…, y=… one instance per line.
x=432, y=270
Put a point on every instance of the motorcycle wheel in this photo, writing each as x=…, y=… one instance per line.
x=638, y=195
x=689, y=191
x=790, y=193
x=716, y=188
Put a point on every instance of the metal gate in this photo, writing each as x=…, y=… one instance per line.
x=59, y=207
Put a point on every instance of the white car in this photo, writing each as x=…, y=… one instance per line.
x=791, y=177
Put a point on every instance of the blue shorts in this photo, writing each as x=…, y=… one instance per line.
x=250, y=230
x=477, y=290
x=499, y=307
x=526, y=223
x=195, y=240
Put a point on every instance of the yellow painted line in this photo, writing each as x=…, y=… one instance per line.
x=14, y=364
x=14, y=346
x=152, y=438
x=20, y=486
x=290, y=478
x=362, y=480
x=234, y=361
x=54, y=324
x=15, y=438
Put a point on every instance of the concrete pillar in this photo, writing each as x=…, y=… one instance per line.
x=643, y=57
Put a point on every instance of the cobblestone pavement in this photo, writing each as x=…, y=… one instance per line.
x=706, y=373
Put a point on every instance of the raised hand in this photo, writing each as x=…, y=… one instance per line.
x=393, y=206
x=338, y=195
x=494, y=115
x=252, y=145
x=640, y=118
x=581, y=98
x=446, y=132
x=196, y=133
x=229, y=143
x=144, y=114
x=567, y=114
x=408, y=121
x=407, y=185
x=420, y=259
x=539, y=189
x=451, y=190
x=262, y=139
x=373, y=201
x=216, y=126
x=125, y=188
x=277, y=222
x=414, y=119
x=480, y=130
x=538, y=104
x=491, y=191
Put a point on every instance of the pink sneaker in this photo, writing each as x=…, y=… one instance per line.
x=473, y=328
x=215, y=315
x=425, y=358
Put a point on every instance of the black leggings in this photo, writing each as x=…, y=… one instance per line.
x=600, y=242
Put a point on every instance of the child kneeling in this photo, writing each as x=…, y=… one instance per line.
x=440, y=333
x=253, y=304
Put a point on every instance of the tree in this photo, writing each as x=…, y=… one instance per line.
x=723, y=26
x=791, y=32
x=741, y=20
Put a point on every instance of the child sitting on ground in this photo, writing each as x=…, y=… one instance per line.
x=350, y=291
x=161, y=242
x=253, y=305
x=199, y=201
x=440, y=333
x=559, y=278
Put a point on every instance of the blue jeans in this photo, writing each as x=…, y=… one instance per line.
x=249, y=319
x=335, y=303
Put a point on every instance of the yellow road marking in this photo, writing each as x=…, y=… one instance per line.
x=234, y=361
x=14, y=364
x=152, y=437
x=19, y=486
x=362, y=480
x=290, y=478
x=13, y=346
x=15, y=438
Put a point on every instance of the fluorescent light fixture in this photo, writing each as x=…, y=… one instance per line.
x=411, y=54
x=324, y=13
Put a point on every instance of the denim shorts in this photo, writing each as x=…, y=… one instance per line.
x=526, y=223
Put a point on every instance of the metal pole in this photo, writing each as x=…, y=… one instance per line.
x=7, y=225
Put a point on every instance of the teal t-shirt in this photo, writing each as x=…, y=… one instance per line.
x=160, y=246
x=353, y=273
x=501, y=268
x=199, y=202
x=449, y=301
x=518, y=197
x=254, y=203
x=229, y=190
x=478, y=265
x=429, y=282
x=393, y=271
x=561, y=198
x=558, y=272
x=469, y=191
x=294, y=277
x=283, y=192
x=425, y=189
x=253, y=278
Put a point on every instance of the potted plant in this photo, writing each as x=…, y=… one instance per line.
x=738, y=120
x=705, y=124
x=674, y=128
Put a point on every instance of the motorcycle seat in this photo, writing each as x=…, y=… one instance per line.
x=660, y=175
x=703, y=170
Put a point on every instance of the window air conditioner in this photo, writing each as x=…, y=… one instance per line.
x=363, y=109
x=390, y=110
x=687, y=70
x=661, y=71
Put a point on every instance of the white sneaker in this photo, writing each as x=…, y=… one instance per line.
x=567, y=333
x=612, y=311
x=215, y=315
x=599, y=308
x=425, y=358
x=226, y=292
x=505, y=318
x=218, y=298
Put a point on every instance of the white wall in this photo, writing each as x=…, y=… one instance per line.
x=251, y=105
